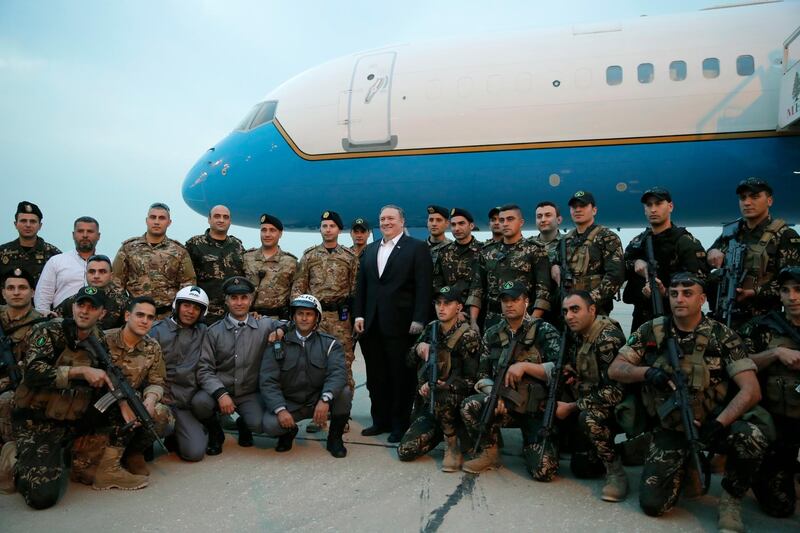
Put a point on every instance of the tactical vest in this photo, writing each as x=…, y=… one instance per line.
x=585, y=361
x=579, y=263
x=530, y=393
x=780, y=384
x=757, y=258
x=444, y=357
x=698, y=379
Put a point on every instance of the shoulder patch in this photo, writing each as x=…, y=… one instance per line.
x=40, y=341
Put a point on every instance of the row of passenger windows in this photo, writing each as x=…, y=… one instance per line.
x=645, y=72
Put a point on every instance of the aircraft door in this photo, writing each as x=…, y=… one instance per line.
x=370, y=92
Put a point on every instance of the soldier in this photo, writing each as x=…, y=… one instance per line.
x=674, y=248
x=458, y=350
x=494, y=226
x=437, y=224
x=216, y=256
x=271, y=271
x=230, y=360
x=513, y=259
x=29, y=251
x=773, y=341
x=594, y=343
x=181, y=337
x=771, y=246
x=713, y=360
x=98, y=275
x=521, y=395
x=454, y=265
x=304, y=376
x=548, y=222
x=154, y=265
x=359, y=233
x=594, y=254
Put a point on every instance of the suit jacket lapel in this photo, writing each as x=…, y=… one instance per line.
x=395, y=252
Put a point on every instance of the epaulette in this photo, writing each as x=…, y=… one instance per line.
x=310, y=248
x=234, y=238
x=193, y=240
x=290, y=254
x=351, y=252
x=176, y=242
x=254, y=249
x=128, y=241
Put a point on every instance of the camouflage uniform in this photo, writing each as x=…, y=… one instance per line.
x=455, y=264
x=780, y=387
x=272, y=278
x=215, y=261
x=524, y=261
x=595, y=263
x=436, y=247
x=772, y=245
x=116, y=303
x=331, y=278
x=553, y=315
x=524, y=403
x=155, y=270
x=713, y=354
x=458, y=354
x=31, y=260
x=675, y=250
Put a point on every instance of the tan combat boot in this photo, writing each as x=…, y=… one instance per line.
x=452, y=455
x=111, y=475
x=487, y=460
x=8, y=459
x=135, y=464
x=616, y=487
x=730, y=513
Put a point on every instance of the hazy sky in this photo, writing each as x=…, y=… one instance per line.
x=106, y=105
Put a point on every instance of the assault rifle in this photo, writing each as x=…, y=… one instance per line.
x=567, y=279
x=7, y=360
x=652, y=270
x=432, y=369
x=506, y=358
x=730, y=277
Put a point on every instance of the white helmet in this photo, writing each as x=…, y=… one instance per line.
x=192, y=294
x=306, y=300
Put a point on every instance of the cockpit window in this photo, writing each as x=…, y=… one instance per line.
x=261, y=113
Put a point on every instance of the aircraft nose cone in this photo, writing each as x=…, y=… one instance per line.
x=193, y=188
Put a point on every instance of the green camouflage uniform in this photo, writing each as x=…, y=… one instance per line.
x=713, y=354
x=780, y=396
x=155, y=270
x=215, y=261
x=455, y=265
x=31, y=260
x=116, y=304
x=331, y=278
x=498, y=263
x=595, y=263
x=458, y=353
x=553, y=315
x=436, y=247
x=525, y=403
x=272, y=279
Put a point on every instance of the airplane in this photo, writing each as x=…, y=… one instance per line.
x=687, y=101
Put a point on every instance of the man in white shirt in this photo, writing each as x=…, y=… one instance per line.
x=64, y=274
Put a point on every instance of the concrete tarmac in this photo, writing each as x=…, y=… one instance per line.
x=258, y=489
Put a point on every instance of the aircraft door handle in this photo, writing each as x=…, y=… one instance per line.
x=377, y=86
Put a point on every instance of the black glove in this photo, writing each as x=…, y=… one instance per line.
x=711, y=432
x=658, y=378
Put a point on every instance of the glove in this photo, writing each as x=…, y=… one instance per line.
x=658, y=378
x=712, y=432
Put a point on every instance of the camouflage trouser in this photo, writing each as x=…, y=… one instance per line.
x=427, y=430
x=343, y=331
x=597, y=421
x=542, y=465
x=667, y=460
x=41, y=450
x=6, y=406
x=773, y=486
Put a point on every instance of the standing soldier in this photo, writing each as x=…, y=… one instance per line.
x=513, y=259
x=714, y=363
x=437, y=224
x=521, y=396
x=494, y=226
x=359, y=233
x=271, y=271
x=98, y=275
x=674, y=248
x=594, y=254
x=458, y=350
x=548, y=222
x=29, y=251
x=771, y=246
x=328, y=272
x=454, y=266
x=773, y=341
x=154, y=265
x=216, y=256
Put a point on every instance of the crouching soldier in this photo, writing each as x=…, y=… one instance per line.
x=458, y=350
x=528, y=347
x=714, y=362
x=305, y=376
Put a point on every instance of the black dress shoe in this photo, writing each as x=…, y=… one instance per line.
x=395, y=436
x=214, y=448
x=285, y=441
x=245, y=435
x=373, y=430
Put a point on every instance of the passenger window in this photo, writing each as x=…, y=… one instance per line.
x=745, y=65
x=645, y=73
x=614, y=75
x=265, y=114
x=677, y=70
x=711, y=67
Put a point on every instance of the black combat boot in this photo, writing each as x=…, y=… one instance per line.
x=245, y=435
x=285, y=441
x=335, y=444
x=216, y=437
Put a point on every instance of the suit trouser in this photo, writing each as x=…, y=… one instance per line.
x=249, y=406
x=390, y=382
x=340, y=406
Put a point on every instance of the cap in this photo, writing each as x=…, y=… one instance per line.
x=787, y=273
x=449, y=294
x=93, y=294
x=458, y=212
x=658, y=192
x=360, y=223
x=334, y=217
x=238, y=285
x=686, y=278
x=269, y=219
x=438, y=210
x=753, y=185
x=18, y=273
x=583, y=198
x=513, y=289
x=494, y=211
x=28, y=208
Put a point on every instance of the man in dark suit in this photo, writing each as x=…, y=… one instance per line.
x=393, y=294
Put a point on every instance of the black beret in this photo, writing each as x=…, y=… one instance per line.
x=238, y=285
x=28, y=208
x=458, y=212
x=269, y=219
x=438, y=210
x=686, y=278
x=334, y=217
x=18, y=273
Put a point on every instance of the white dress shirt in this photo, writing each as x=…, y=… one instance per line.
x=385, y=251
x=62, y=276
